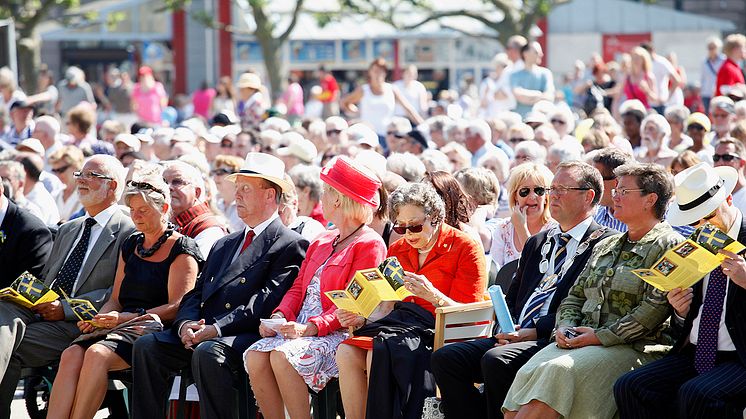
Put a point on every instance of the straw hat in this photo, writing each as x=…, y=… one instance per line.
x=700, y=190
x=264, y=166
x=249, y=81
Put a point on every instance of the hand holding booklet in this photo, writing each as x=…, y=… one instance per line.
x=688, y=262
x=369, y=287
x=273, y=323
x=28, y=291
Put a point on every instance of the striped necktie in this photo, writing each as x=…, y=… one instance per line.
x=533, y=307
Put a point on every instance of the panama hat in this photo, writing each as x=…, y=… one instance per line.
x=301, y=148
x=352, y=180
x=264, y=166
x=699, y=191
x=249, y=81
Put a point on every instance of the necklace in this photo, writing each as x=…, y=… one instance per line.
x=582, y=247
x=337, y=240
x=145, y=253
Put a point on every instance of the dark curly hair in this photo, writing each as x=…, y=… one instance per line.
x=459, y=206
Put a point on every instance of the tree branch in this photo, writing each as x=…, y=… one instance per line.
x=298, y=7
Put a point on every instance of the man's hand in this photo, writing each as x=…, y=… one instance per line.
x=680, y=300
x=205, y=333
x=50, y=311
x=188, y=332
x=735, y=267
x=587, y=337
x=520, y=335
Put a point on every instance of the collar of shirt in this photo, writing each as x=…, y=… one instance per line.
x=261, y=226
x=3, y=209
x=103, y=217
x=578, y=231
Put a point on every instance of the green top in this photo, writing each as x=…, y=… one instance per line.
x=609, y=298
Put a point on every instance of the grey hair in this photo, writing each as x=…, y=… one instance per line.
x=651, y=178
x=48, y=124
x=422, y=195
x=481, y=128
x=435, y=160
x=401, y=125
x=563, y=152
x=305, y=176
x=113, y=168
x=192, y=176
x=532, y=148
x=661, y=124
x=678, y=113
x=406, y=165
x=151, y=174
x=16, y=169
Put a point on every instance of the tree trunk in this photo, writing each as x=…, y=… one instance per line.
x=27, y=71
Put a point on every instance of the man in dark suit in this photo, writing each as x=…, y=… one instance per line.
x=82, y=263
x=549, y=264
x=704, y=375
x=25, y=242
x=246, y=275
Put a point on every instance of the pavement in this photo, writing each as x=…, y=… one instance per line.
x=18, y=407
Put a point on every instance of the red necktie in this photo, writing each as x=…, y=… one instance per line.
x=249, y=238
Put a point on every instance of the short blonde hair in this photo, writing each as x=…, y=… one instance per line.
x=70, y=155
x=732, y=42
x=530, y=171
x=350, y=208
x=480, y=184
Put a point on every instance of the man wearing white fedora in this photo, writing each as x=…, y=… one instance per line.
x=704, y=375
x=245, y=276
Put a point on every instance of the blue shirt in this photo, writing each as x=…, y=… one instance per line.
x=604, y=218
x=538, y=78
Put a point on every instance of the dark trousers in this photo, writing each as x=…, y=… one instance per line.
x=459, y=365
x=671, y=386
x=213, y=367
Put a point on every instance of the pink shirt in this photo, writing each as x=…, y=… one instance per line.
x=293, y=98
x=202, y=99
x=149, y=103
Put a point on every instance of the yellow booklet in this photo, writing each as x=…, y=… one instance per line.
x=369, y=287
x=84, y=310
x=689, y=262
x=28, y=291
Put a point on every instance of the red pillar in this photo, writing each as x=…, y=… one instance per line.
x=225, y=39
x=178, y=19
x=544, y=26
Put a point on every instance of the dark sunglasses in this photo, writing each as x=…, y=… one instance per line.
x=395, y=134
x=334, y=131
x=144, y=185
x=709, y=217
x=725, y=157
x=59, y=170
x=401, y=230
x=695, y=127
x=538, y=190
x=516, y=140
x=222, y=171
x=558, y=121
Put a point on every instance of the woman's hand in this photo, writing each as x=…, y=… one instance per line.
x=112, y=319
x=292, y=330
x=586, y=336
x=266, y=332
x=420, y=286
x=518, y=216
x=85, y=327
x=680, y=300
x=349, y=319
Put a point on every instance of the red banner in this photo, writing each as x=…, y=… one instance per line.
x=617, y=44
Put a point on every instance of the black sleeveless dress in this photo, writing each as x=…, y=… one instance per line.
x=144, y=286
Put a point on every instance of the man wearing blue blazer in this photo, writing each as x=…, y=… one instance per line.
x=245, y=277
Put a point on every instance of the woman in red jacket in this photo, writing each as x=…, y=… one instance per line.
x=301, y=352
x=442, y=267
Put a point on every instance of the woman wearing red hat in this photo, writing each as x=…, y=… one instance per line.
x=443, y=267
x=301, y=352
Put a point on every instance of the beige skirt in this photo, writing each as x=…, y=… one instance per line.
x=577, y=383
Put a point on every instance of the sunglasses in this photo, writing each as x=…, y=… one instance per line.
x=725, y=157
x=222, y=171
x=417, y=228
x=558, y=121
x=709, y=217
x=538, y=190
x=226, y=144
x=59, y=170
x=144, y=185
x=695, y=127
x=334, y=132
x=516, y=140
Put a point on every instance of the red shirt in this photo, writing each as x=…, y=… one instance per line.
x=456, y=266
x=730, y=73
x=317, y=213
x=329, y=88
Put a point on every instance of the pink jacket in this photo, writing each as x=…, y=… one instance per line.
x=367, y=251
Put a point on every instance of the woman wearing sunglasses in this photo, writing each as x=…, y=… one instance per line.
x=64, y=163
x=442, y=267
x=528, y=197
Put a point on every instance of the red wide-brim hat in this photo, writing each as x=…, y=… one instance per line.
x=344, y=176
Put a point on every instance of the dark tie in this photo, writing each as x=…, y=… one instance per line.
x=249, y=238
x=709, y=324
x=533, y=307
x=69, y=272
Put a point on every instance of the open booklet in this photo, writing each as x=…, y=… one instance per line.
x=687, y=263
x=369, y=287
x=28, y=291
x=84, y=310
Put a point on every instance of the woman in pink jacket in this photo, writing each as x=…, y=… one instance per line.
x=301, y=352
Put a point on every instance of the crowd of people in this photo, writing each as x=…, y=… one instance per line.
x=187, y=225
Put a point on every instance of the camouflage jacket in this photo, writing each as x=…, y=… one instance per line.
x=609, y=298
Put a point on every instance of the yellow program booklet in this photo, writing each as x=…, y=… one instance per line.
x=689, y=262
x=369, y=287
x=84, y=310
x=28, y=291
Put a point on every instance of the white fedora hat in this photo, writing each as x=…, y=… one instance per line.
x=303, y=149
x=265, y=166
x=699, y=191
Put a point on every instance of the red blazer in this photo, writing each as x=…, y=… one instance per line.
x=367, y=251
x=729, y=74
x=456, y=266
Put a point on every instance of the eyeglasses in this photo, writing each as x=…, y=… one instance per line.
x=333, y=132
x=226, y=144
x=144, y=185
x=395, y=134
x=725, y=157
x=176, y=183
x=709, y=217
x=558, y=121
x=91, y=175
x=221, y=171
x=538, y=190
x=695, y=127
x=516, y=140
x=401, y=230
x=59, y=170
x=623, y=192
x=562, y=190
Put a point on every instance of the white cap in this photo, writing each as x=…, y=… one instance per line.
x=362, y=134
x=163, y=135
x=303, y=149
x=184, y=135
x=128, y=139
x=270, y=138
x=32, y=144
x=275, y=123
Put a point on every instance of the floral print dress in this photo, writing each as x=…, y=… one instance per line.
x=313, y=356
